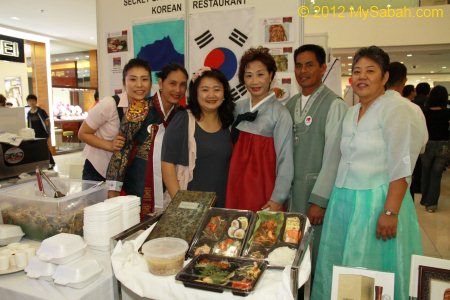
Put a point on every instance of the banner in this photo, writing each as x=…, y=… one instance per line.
x=218, y=40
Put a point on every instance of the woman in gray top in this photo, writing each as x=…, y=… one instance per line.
x=197, y=146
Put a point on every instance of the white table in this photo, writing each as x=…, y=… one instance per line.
x=131, y=270
x=19, y=286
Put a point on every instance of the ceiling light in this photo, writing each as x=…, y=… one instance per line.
x=349, y=57
x=409, y=54
x=87, y=56
x=444, y=67
x=431, y=72
x=66, y=59
x=388, y=5
x=15, y=18
x=77, y=58
x=402, y=62
x=349, y=69
x=56, y=59
x=349, y=64
x=422, y=77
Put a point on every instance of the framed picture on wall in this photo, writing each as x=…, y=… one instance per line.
x=434, y=283
x=13, y=90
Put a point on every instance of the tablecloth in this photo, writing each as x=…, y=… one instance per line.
x=19, y=286
x=130, y=269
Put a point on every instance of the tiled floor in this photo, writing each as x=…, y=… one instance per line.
x=435, y=227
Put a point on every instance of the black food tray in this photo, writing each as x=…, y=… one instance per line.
x=275, y=235
x=222, y=232
x=218, y=273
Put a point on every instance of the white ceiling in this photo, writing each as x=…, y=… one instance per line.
x=71, y=24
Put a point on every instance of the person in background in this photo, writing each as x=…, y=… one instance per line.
x=317, y=113
x=38, y=120
x=197, y=145
x=2, y=101
x=394, y=86
x=136, y=168
x=261, y=170
x=409, y=92
x=371, y=221
x=100, y=129
x=422, y=92
x=435, y=158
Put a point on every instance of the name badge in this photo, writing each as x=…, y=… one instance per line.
x=308, y=120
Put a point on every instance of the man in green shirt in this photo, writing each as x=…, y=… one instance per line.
x=317, y=114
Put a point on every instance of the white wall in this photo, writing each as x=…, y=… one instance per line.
x=14, y=69
x=349, y=32
x=346, y=32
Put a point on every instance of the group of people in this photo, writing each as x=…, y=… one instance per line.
x=347, y=169
x=433, y=103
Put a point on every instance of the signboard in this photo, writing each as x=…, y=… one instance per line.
x=11, y=49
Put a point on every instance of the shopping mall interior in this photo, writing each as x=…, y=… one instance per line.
x=65, y=62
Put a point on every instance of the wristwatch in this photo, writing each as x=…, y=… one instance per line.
x=388, y=212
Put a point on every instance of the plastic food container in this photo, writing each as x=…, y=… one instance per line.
x=165, y=256
x=42, y=217
x=61, y=248
x=10, y=234
x=37, y=268
x=77, y=274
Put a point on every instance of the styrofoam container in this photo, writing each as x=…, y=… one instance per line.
x=10, y=234
x=37, y=268
x=61, y=248
x=77, y=274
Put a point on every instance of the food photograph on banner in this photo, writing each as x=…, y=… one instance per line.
x=283, y=57
x=220, y=44
x=281, y=86
x=117, y=41
x=277, y=30
x=159, y=43
x=118, y=55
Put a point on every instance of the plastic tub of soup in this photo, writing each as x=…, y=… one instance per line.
x=165, y=256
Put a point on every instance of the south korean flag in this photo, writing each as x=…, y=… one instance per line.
x=218, y=40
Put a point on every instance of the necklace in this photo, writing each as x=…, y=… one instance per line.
x=137, y=111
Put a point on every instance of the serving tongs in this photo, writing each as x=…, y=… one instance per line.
x=39, y=182
x=57, y=194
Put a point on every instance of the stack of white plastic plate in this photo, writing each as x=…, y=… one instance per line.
x=131, y=208
x=102, y=221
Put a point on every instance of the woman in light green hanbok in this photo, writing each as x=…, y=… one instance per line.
x=370, y=220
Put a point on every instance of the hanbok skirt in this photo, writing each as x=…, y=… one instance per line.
x=349, y=239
